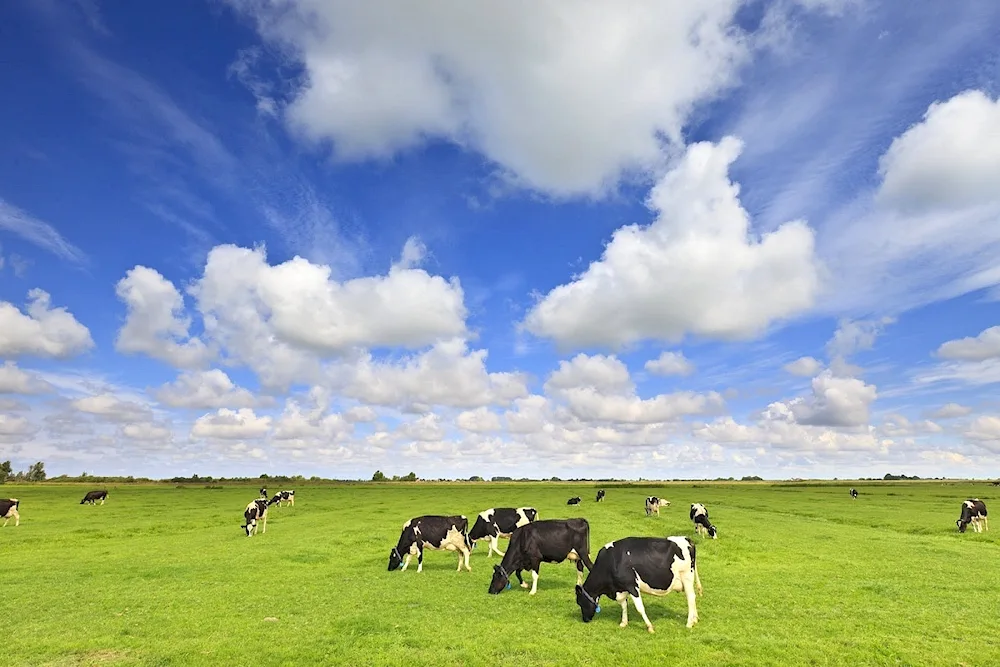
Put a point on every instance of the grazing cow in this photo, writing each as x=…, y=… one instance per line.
x=450, y=533
x=575, y=500
x=701, y=523
x=653, y=504
x=996, y=483
x=499, y=522
x=550, y=541
x=854, y=494
x=974, y=512
x=263, y=492
x=634, y=565
x=256, y=511
x=93, y=496
x=8, y=510
x=600, y=496
x=284, y=496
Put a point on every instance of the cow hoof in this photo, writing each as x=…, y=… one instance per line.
x=524, y=585
x=650, y=628
x=623, y=625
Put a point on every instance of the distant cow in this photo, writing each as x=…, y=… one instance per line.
x=499, y=522
x=255, y=512
x=93, y=496
x=8, y=510
x=854, y=494
x=701, y=523
x=600, y=496
x=573, y=501
x=550, y=541
x=284, y=496
x=997, y=483
x=449, y=533
x=653, y=504
x=634, y=565
x=263, y=492
x=974, y=512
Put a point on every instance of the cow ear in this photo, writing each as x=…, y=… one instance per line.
x=579, y=588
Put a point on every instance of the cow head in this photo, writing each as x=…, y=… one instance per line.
x=588, y=604
x=712, y=532
x=480, y=530
x=500, y=581
x=395, y=559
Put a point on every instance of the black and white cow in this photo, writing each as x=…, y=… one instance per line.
x=600, y=496
x=284, y=497
x=974, y=512
x=653, y=504
x=93, y=496
x=263, y=492
x=634, y=565
x=499, y=522
x=448, y=533
x=8, y=510
x=854, y=494
x=996, y=483
x=575, y=500
x=255, y=512
x=701, y=523
x=549, y=541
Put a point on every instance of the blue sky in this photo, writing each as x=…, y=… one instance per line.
x=312, y=237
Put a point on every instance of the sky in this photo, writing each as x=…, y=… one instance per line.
x=596, y=239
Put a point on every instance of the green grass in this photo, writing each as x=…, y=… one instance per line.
x=800, y=575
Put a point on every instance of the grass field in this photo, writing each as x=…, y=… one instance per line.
x=800, y=575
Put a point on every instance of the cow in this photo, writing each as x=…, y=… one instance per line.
x=256, y=511
x=974, y=512
x=701, y=523
x=653, y=504
x=499, y=522
x=449, y=533
x=283, y=496
x=93, y=496
x=549, y=541
x=634, y=565
x=8, y=510
x=263, y=492
x=996, y=483
x=854, y=494
x=600, y=496
x=575, y=500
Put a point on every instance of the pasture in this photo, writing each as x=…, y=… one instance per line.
x=800, y=575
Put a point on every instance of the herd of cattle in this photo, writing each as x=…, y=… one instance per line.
x=623, y=569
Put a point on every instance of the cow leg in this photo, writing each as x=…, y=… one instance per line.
x=406, y=561
x=697, y=581
x=579, y=573
x=420, y=558
x=524, y=584
x=493, y=546
x=102, y=501
x=986, y=522
x=637, y=601
x=264, y=528
x=534, y=582
x=687, y=581
x=623, y=601
x=467, y=553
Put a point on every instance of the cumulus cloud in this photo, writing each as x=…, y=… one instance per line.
x=950, y=411
x=480, y=420
x=605, y=374
x=205, y=390
x=231, y=425
x=835, y=401
x=804, y=367
x=13, y=380
x=984, y=429
x=42, y=331
x=112, y=408
x=155, y=323
x=973, y=348
x=900, y=426
x=713, y=278
x=15, y=429
x=426, y=428
x=146, y=431
x=670, y=363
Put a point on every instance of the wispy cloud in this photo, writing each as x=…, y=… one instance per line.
x=42, y=234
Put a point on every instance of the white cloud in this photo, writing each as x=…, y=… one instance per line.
x=974, y=373
x=42, y=234
x=974, y=348
x=950, y=411
x=231, y=425
x=15, y=429
x=480, y=420
x=670, y=363
x=426, y=428
x=13, y=380
x=589, y=405
x=43, y=331
x=853, y=336
x=360, y=413
x=205, y=389
x=804, y=367
x=112, y=408
x=606, y=374
x=155, y=323
x=713, y=278
x=146, y=431
x=985, y=429
x=899, y=426
x=836, y=401
x=302, y=424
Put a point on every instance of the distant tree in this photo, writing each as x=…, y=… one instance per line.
x=502, y=479
x=554, y=479
x=378, y=476
x=36, y=473
x=411, y=477
x=752, y=478
x=6, y=472
x=264, y=476
x=475, y=478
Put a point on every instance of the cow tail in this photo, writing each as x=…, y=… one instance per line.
x=586, y=539
x=465, y=533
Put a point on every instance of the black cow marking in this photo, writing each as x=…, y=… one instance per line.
x=8, y=510
x=255, y=512
x=263, y=492
x=498, y=522
x=448, y=533
x=550, y=541
x=628, y=567
x=974, y=512
x=653, y=505
x=573, y=501
x=701, y=523
x=93, y=496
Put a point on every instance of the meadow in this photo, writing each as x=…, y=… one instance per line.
x=800, y=575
